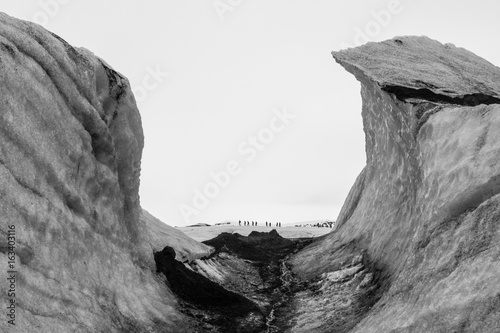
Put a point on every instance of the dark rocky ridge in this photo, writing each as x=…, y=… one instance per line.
x=257, y=246
x=243, y=286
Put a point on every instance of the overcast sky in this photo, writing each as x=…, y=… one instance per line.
x=246, y=115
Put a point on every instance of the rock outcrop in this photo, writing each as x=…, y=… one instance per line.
x=244, y=286
x=70, y=151
x=425, y=211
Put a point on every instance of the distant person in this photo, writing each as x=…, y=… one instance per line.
x=280, y=224
x=240, y=223
x=276, y=223
x=256, y=223
x=266, y=223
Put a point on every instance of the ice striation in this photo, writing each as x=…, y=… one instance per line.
x=425, y=210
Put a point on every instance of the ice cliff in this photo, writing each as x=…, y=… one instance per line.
x=422, y=221
x=70, y=150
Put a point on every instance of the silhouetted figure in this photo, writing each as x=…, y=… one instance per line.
x=276, y=223
x=280, y=224
x=240, y=223
x=256, y=223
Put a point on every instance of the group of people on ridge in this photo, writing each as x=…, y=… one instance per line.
x=255, y=223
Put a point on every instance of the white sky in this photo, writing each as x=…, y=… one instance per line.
x=228, y=71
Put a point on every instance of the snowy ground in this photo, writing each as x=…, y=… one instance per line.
x=204, y=233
